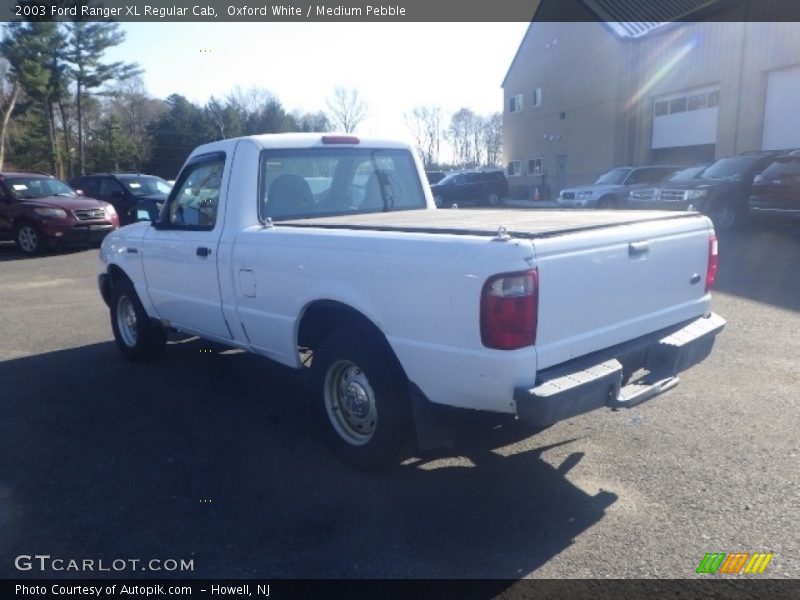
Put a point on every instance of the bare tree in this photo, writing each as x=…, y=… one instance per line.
x=493, y=138
x=134, y=109
x=461, y=134
x=9, y=94
x=425, y=123
x=250, y=104
x=347, y=108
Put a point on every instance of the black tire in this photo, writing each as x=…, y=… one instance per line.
x=138, y=337
x=440, y=201
x=375, y=430
x=725, y=216
x=492, y=199
x=29, y=239
x=607, y=202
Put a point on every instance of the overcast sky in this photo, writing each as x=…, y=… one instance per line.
x=395, y=66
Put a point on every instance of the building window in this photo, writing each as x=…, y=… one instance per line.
x=697, y=102
x=677, y=105
x=515, y=103
x=537, y=96
x=513, y=168
x=535, y=166
x=689, y=102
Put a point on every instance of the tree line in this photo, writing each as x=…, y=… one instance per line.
x=65, y=110
x=475, y=140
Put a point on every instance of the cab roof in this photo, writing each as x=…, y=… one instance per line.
x=303, y=140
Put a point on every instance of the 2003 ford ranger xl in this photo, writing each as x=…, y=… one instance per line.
x=328, y=252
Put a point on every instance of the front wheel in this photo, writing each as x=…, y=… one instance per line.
x=29, y=240
x=608, y=202
x=492, y=199
x=137, y=336
x=725, y=217
x=361, y=399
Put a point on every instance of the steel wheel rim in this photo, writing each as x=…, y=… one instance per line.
x=350, y=403
x=126, y=321
x=28, y=239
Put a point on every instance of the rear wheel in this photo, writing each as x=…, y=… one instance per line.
x=361, y=399
x=492, y=199
x=137, y=336
x=607, y=202
x=29, y=240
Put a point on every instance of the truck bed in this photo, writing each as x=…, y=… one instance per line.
x=530, y=224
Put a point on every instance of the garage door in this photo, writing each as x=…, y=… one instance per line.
x=686, y=119
x=781, y=113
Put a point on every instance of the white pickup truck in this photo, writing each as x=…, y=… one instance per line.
x=327, y=253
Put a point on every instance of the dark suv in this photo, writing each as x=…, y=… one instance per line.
x=721, y=191
x=38, y=211
x=128, y=192
x=482, y=187
x=777, y=189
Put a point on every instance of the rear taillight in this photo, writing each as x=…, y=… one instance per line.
x=713, y=260
x=509, y=307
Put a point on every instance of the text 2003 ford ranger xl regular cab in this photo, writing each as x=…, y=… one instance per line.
x=329, y=249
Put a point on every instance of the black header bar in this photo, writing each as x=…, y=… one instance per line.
x=398, y=10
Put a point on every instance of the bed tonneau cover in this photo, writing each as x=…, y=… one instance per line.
x=518, y=223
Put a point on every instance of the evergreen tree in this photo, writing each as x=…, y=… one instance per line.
x=175, y=134
x=86, y=45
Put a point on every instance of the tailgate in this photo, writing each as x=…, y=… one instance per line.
x=604, y=287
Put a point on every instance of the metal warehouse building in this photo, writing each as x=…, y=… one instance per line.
x=582, y=97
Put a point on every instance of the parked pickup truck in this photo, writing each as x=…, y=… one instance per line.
x=327, y=253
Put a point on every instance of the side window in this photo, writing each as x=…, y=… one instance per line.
x=194, y=206
x=108, y=186
x=90, y=186
x=645, y=176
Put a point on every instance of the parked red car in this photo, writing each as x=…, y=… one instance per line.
x=39, y=211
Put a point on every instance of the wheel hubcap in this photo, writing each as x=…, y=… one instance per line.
x=126, y=321
x=28, y=239
x=350, y=403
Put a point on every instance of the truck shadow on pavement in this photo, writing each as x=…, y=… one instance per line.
x=762, y=262
x=213, y=456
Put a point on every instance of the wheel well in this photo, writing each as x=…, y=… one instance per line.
x=20, y=221
x=116, y=274
x=113, y=276
x=323, y=317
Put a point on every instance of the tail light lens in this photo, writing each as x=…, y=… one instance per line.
x=509, y=307
x=340, y=139
x=713, y=260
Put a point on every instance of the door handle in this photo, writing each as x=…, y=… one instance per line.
x=203, y=251
x=638, y=248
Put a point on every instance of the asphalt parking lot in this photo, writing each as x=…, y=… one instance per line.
x=213, y=455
